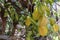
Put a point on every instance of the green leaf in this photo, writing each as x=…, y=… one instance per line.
x=6, y=13
x=16, y=16
x=28, y=36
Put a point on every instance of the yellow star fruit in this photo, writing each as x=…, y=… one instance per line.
x=43, y=31
x=36, y=14
x=28, y=21
x=43, y=21
x=55, y=27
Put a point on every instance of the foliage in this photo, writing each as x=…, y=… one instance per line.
x=37, y=21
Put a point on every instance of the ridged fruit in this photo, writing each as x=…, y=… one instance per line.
x=43, y=31
x=55, y=27
x=28, y=21
x=52, y=21
x=43, y=21
x=36, y=14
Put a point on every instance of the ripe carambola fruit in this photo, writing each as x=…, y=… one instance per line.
x=43, y=21
x=55, y=27
x=43, y=31
x=36, y=14
x=28, y=21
